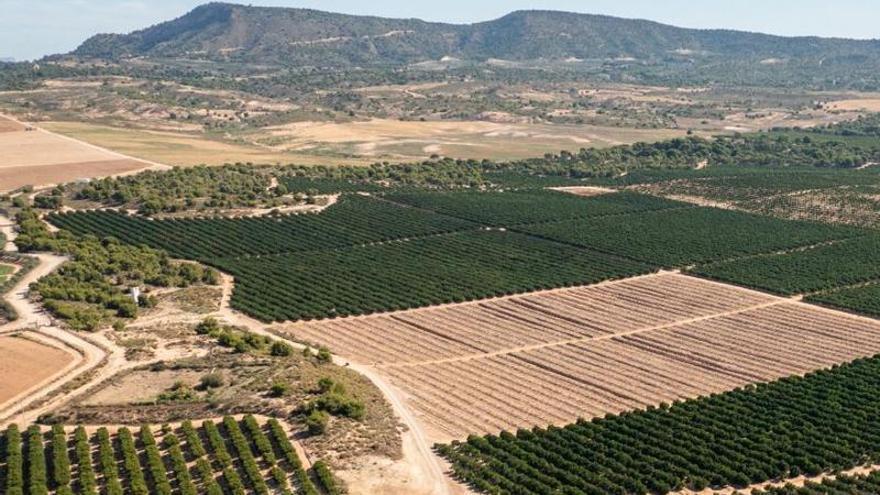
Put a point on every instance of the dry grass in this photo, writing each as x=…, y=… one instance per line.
x=859, y=104
x=356, y=143
x=553, y=357
x=165, y=147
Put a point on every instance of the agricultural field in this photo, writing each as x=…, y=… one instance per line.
x=354, y=220
x=28, y=363
x=801, y=425
x=680, y=237
x=816, y=269
x=247, y=455
x=411, y=273
x=556, y=356
x=526, y=207
x=36, y=157
x=863, y=298
x=848, y=197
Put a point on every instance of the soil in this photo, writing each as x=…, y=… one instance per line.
x=556, y=356
x=27, y=364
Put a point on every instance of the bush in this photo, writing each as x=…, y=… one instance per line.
x=317, y=421
x=280, y=349
x=324, y=355
x=279, y=389
x=211, y=380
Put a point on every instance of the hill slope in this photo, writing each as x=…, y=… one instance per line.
x=220, y=31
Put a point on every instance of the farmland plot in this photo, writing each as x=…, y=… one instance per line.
x=25, y=364
x=556, y=356
x=679, y=237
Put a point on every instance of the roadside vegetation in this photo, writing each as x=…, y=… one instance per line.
x=92, y=289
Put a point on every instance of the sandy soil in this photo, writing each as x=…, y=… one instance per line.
x=9, y=125
x=28, y=363
x=863, y=104
x=556, y=356
x=585, y=191
x=43, y=175
x=41, y=158
x=141, y=387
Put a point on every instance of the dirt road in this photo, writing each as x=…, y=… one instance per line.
x=425, y=474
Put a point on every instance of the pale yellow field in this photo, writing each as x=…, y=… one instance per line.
x=166, y=147
x=864, y=104
x=357, y=143
x=38, y=158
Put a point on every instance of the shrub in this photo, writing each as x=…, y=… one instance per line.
x=211, y=380
x=317, y=421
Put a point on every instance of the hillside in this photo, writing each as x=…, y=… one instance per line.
x=220, y=31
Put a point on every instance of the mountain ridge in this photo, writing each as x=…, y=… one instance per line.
x=292, y=36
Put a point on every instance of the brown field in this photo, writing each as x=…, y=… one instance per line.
x=25, y=364
x=860, y=104
x=15, y=177
x=8, y=125
x=553, y=357
x=356, y=143
x=41, y=158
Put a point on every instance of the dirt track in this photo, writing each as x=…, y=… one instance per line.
x=422, y=470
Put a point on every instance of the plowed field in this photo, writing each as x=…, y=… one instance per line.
x=555, y=356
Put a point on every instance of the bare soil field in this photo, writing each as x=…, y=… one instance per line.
x=857, y=104
x=25, y=364
x=32, y=148
x=356, y=143
x=15, y=177
x=550, y=358
x=42, y=158
x=9, y=125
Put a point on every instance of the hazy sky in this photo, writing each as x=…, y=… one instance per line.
x=33, y=28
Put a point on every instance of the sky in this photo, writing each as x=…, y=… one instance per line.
x=30, y=29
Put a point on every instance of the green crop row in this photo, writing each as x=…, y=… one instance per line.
x=353, y=220
x=422, y=272
x=41, y=463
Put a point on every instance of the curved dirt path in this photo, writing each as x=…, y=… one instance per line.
x=426, y=471
x=30, y=315
x=7, y=228
x=33, y=318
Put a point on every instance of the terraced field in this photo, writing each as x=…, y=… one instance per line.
x=556, y=356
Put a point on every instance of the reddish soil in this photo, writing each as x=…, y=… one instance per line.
x=17, y=176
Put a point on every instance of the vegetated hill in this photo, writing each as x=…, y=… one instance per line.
x=307, y=37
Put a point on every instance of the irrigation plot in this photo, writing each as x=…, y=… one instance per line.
x=556, y=356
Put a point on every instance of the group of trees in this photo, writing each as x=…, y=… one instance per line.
x=250, y=456
x=418, y=272
x=800, y=425
x=93, y=286
x=822, y=268
x=353, y=220
x=684, y=236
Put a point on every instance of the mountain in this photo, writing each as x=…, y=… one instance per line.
x=287, y=36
